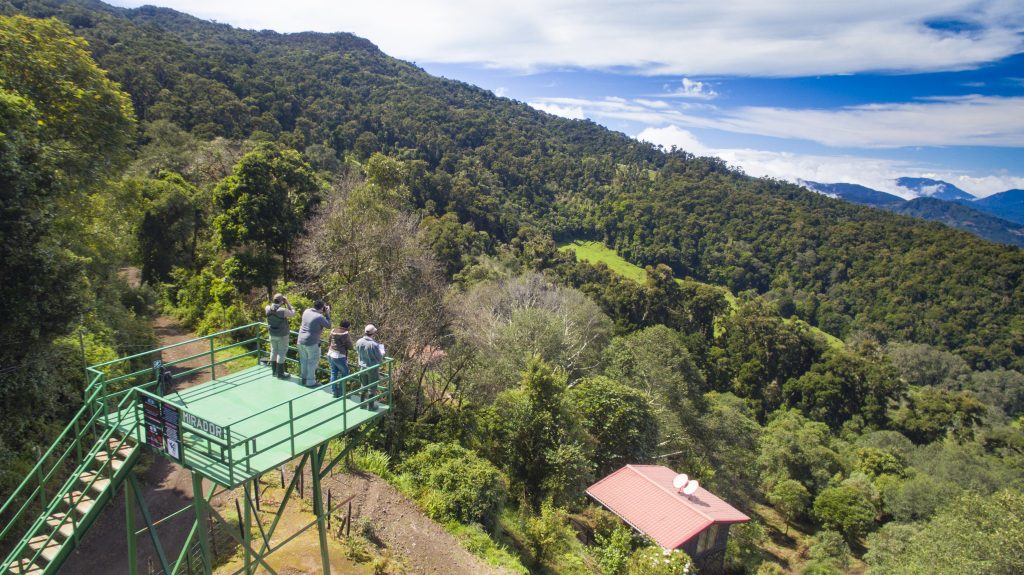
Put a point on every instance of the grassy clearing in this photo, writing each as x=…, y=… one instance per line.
x=594, y=252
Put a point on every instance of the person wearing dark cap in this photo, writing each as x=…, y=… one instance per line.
x=371, y=354
x=278, y=313
x=314, y=321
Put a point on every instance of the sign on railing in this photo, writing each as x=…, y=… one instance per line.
x=163, y=430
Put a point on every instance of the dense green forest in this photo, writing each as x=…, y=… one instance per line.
x=228, y=164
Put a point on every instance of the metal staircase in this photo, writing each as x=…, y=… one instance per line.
x=46, y=516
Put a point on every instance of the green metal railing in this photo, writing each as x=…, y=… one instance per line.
x=236, y=450
x=57, y=473
x=112, y=404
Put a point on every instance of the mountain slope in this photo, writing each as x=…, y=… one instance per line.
x=855, y=193
x=1008, y=205
x=523, y=175
x=933, y=189
x=963, y=217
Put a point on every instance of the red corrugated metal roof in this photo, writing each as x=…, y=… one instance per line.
x=644, y=497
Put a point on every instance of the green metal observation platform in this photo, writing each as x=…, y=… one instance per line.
x=239, y=426
x=236, y=427
x=233, y=423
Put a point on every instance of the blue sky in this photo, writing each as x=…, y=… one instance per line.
x=827, y=91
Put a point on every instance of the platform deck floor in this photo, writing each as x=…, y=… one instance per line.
x=262, y=439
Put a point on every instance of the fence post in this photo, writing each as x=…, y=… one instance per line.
x=213, y=360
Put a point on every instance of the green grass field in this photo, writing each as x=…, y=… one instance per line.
x=594, y=252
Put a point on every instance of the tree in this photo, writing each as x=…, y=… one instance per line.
x=730, y=439
x=793, y=447
x=845, y=509
x=264, y=204
x=930, y=413
x=454, y=484
x=373, y=268
x=168, y=234
x=1002, y=388
x=454, y=244
x=620, y=421
x=65, y=128
x=975, y=534
x=506, y=320
x=655, y=363
x=537, y=437
x=924, y=365
x=843, y=385
x=829, y=548
x=790, y=499
x=762, y=352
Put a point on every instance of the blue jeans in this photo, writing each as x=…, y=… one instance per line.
x=309, y=358
x=339, y=369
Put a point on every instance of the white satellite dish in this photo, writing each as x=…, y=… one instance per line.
x=691, y=487
x=680, y=481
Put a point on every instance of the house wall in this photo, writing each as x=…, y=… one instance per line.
x=715, y=547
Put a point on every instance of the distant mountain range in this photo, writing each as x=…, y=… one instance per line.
x=998, y=218
x=934, y=189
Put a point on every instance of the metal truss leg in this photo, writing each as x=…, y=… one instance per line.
x=199, y=502
x=318, y=508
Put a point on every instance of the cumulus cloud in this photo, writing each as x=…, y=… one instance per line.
x=876, y=173
x=742, y=37
x=961, y=121
x=693, y=89
x=673, y=136
x=563, y=110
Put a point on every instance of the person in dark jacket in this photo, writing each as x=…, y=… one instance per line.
x=314, y=321
x=337, y=355
x=278, y=313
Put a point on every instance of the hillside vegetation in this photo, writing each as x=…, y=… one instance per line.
x=229, y=164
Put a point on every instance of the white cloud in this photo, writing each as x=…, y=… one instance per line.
x=743, y=37
x=670, y=136
x=964, y=121
x=693, y=89
x=571, y=112
x=876, y=173
x=500, y=91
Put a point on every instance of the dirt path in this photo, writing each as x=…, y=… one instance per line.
x=167, y=487
x=424, y=546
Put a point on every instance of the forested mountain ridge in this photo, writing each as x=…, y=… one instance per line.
x=314, y=165
x=503, y=166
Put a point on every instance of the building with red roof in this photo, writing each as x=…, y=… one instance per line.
x=645, y=498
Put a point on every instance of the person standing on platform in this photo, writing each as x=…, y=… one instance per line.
x=314, y=321
x=278, y=313
x=337, y=355
x=371, y=354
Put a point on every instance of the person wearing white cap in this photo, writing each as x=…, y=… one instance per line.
x=371, y=354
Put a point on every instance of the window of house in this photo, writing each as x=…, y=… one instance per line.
x=707, y=539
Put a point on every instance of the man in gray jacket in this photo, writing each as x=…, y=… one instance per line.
x=278, y=313
x=314, y=321
x=371, y=354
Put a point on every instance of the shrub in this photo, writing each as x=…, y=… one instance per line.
x=452, y=483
